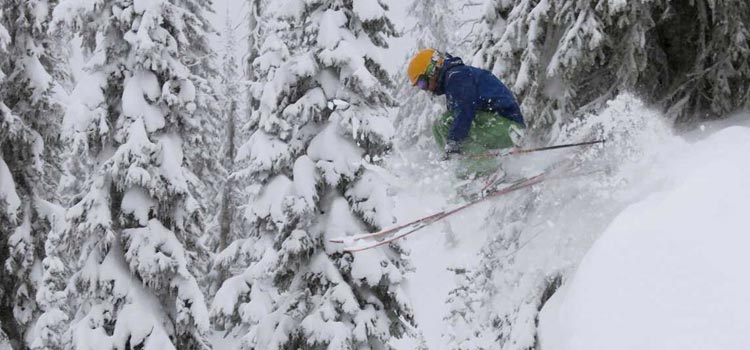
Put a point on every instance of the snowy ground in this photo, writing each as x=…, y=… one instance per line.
x=670, y=272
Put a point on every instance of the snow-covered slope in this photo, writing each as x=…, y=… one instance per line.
x=670, y=272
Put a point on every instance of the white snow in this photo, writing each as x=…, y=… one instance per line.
x=371, y=198
x=329, y=82
x=292, y=9
x=368, y=10
x=305, y=180
x=141, y=317
x=371, y=266
x=270, y=204
x=305, y=108
x=263, y=150
x=670, y=270
x=154, y=253
x=330, y=32
x=336, y=156
x=187, y=91
x=171, y=160
x=142, y=6
x=141, y=90
x=136, y=154
x=340, y=222
x=8, y=190
x=4, y=40
x=616, y=6
x=38, y=77
x=136, y=201
x=86, y=109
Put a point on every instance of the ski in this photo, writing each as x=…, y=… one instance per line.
x=420, y=223
x=416, y=225
x=417, y=222
x=493, y=180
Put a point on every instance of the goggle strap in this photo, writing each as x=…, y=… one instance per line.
x=435, y=62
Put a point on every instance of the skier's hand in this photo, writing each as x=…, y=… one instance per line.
x=451, y=147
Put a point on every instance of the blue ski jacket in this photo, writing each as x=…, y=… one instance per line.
x=469, y=89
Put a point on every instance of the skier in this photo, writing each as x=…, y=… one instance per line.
x=482, y=115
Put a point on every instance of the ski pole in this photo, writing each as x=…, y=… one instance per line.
x=530, y=150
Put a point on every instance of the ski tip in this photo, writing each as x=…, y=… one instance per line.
x=360, y=248
x=357, y=249
x=344, y=240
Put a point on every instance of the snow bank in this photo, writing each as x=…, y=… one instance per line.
x=670, y=271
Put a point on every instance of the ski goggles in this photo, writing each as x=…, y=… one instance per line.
x=423, y=82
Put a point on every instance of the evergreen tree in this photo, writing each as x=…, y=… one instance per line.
x=31, y=69
x=228, y=220
x=321, y=129
x=9, y=203
x=204, y=137
x=134, y=119
x=472, y=322
x=4, y=341
x=205, y=129
x=566, y=58
x=52, y=295
x=253, y=48
x=232, y=243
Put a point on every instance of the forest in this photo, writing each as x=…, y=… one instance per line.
x=171, y=176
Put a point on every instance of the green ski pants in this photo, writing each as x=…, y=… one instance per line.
x=489, y=131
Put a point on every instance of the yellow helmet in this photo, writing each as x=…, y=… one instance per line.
x=423, y=63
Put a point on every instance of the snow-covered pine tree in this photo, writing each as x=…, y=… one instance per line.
x=203, y=133
x=31, y=72
x=9, y=203
x=434, y=26
x=234, y=245
x=565, y=58
x=321, y=128
x=253, y=48
x=472, y=322
x=205, y=129
x=4, y=341
x=228, y=221
x=52, y=295
x=131, y=236
x=462, y=310
x=700, y=59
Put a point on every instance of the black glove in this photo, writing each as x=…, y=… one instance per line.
x=451, y=147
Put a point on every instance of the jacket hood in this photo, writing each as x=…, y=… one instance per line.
x=448, y=63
